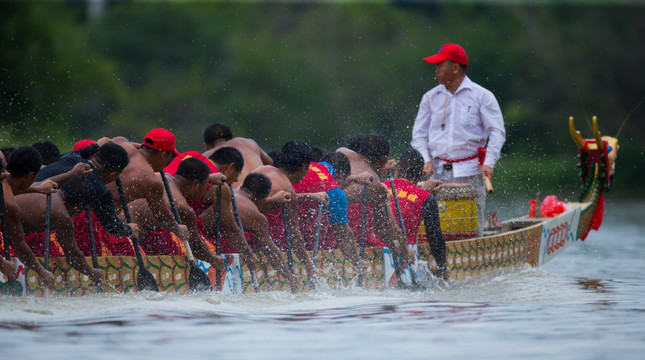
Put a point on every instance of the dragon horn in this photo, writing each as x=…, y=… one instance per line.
x=575, y=134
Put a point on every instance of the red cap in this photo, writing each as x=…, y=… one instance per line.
x=452, y=52
x=82, y=144
x=160, y=139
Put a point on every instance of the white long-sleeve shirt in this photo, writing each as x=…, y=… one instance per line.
x=453, y=126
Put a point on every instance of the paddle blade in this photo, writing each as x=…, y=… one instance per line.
x=198, y=280
x=11, y=288
x=106, y=287
x=145, y=280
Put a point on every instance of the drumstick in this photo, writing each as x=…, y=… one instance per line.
x=489, y=185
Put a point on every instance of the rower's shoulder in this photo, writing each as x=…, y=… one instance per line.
x=141, y=173
x=351, y=154
x=130, y=147
x=268, y=170
x=243, y=144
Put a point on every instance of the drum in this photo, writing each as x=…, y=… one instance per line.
x=457, y=212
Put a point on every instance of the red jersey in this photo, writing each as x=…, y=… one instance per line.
x=411, y=199
x=318, y=179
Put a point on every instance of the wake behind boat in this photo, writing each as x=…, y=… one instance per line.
x=529, y=240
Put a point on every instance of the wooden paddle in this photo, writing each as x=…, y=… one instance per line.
x=312, y=285
x=48, y=211
x=218, y=235
x=415, y=284
x=145, y=280
x=287, y=237
x=197, y=278
x=90, y=227
x=238, y=219
x=318, y=226
x=363, y=230
x=12, y=284
x=102, y=285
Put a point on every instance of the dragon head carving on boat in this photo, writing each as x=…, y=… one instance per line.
x=597, y=157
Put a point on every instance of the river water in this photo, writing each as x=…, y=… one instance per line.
x=586, y=304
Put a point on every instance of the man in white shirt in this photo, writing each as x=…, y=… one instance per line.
x=455, y=121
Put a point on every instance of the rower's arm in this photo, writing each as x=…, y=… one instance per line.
x=318, y=197
x=43, y=187
x=79, y=169
x=16, y=237
x=103, y=207
x=298, y=241
x=366, y=177
x=384, y=221
x=257, y=224
x=160, y=207
x=231, y=230
x=270, y=203
x=266, y=159
x=197, y=245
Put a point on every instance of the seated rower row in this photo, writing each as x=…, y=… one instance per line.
x=277, y=200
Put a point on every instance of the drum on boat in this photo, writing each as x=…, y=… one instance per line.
x=457, y=212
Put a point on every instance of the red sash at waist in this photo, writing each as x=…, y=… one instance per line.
x=481, y=155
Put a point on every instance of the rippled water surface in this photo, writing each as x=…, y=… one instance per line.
x=586, y=304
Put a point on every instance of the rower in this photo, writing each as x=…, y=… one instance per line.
x=371, y=160
x=23, y=165
x=75, y=195
x=228, y=162
x=291, y=168
x=189, y=183
x=416, y=203
x=140, y=181
x=333, y=227
x=255, y=189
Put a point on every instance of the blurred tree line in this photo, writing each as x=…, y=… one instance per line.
x=322, y=73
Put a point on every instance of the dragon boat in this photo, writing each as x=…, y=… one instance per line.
x=531, y=239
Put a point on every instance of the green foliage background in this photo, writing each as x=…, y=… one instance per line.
x=322, y=73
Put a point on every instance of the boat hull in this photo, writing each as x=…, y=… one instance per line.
x=533, y=242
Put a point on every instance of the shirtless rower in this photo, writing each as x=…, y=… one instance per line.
x=73, y=198
x=189, y=183
x=371, y=159
x=139, y=179
x=220, y=135
x=255, y=188
x=229, y=162
x=226, y=164
x=290, y=169
x=7, y=267
x=23, y=165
